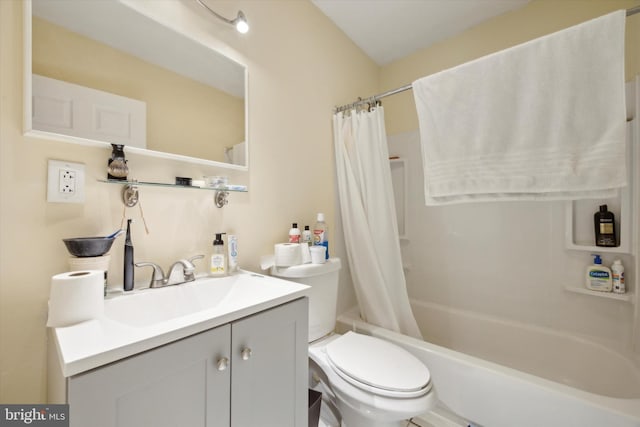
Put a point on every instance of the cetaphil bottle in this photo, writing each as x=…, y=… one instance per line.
x=598, y=276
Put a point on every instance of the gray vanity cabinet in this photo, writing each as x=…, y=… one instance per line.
x=251, y=372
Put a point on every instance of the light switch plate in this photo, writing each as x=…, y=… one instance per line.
x=65, y=182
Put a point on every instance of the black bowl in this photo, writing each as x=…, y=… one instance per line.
x=88, y=246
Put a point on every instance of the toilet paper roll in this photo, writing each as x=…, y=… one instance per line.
x=287, y=254
x=75, y=297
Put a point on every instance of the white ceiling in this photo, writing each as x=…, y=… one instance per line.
x=387, y=30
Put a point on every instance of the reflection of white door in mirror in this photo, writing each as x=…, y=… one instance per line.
x=74, y=110
x=191, y=98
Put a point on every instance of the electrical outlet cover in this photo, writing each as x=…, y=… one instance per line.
x=65, y=183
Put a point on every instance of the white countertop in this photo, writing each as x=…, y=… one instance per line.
x=94, y=343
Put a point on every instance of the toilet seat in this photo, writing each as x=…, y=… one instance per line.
x=378, y=366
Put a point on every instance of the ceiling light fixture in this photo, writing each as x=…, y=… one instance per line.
x=240, y=21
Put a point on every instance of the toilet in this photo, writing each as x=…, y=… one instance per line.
x=369, y=382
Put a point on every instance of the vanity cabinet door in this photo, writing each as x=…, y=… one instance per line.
x=269, y=352
x=178, y=384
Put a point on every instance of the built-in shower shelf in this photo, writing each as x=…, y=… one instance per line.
x=628, y=297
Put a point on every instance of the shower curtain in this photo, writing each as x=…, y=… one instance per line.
x=369, y=220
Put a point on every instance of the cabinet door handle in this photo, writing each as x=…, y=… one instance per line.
x=245, y=354
x=222, y=363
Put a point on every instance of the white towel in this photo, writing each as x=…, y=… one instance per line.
x=543, y=120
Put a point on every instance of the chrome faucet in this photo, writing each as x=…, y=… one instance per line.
x=159, y=279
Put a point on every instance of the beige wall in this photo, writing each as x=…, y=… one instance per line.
x=536, y=19
x=181, y=113
x=300, y=66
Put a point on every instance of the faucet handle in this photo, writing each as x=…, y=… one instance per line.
x=193, y=258
x=157, y=278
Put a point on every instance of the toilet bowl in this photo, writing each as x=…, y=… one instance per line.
x=375, y=383
x=371, y=382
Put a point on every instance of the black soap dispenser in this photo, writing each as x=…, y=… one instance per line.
x=128, y=260
x=605, y=227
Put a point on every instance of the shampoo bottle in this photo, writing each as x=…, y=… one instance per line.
x=218, y=265
x=617, y=271
x=598, y=276
x=605, y=227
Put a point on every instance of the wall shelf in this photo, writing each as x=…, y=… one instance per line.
x=130, y=190
x=628, y=297
x=231, y=188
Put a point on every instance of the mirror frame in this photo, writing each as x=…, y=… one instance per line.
x=28, y=107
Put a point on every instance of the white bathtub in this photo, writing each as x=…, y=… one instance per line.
x=500, y=374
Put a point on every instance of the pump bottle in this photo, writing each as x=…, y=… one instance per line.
x=218, y=264
x=598, y=276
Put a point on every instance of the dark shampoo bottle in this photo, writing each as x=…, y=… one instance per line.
x=605, y=227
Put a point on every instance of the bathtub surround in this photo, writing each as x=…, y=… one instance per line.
x=544, y=120
x=369, y=218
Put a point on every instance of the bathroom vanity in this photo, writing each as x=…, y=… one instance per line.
x=229, y=352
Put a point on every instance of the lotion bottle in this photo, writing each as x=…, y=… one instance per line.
x=617, y=271
x=598, y=276
x=218, y=264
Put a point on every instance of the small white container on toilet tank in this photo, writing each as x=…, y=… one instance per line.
x=323, y=295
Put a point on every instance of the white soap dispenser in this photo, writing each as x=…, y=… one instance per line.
x=218, y=264
x=598, y=276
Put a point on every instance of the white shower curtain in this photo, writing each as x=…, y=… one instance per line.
x=369, y=220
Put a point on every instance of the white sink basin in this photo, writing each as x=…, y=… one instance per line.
x=149, y=307
x=137, y=321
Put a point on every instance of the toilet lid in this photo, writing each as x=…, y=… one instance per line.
x=378, y=366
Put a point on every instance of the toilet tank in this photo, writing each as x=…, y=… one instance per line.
x=323, y=295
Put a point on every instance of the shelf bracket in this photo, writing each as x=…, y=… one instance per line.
x=221, y=198
x=130, y=195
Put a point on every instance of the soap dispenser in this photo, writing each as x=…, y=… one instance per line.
x=598, y=276
x=218, y=265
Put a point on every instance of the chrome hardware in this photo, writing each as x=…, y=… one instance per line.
x=130, y=195
x=188, y=270
x=159, y=279
x=222, y=363
x=245, y=354
x=221, y=198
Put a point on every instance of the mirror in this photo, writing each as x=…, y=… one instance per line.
x=102, y=73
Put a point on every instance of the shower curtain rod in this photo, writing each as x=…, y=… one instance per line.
x=375, y=98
